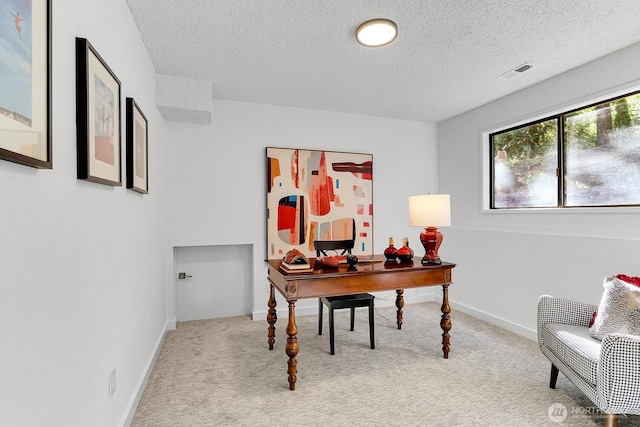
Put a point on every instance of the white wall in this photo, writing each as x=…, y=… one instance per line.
x=82, y=270
x=507, y=260
x=218, y=176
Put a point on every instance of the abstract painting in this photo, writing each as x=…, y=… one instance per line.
x=318, y=195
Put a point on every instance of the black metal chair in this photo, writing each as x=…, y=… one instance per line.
x=342, y=301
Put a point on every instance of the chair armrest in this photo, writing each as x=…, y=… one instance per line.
x=562, y=310
x=618, y=381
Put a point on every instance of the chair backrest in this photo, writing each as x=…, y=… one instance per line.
x=322, y=246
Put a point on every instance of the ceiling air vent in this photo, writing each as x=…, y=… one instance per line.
x=514, y=72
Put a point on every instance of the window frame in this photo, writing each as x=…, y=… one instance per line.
x=557, y=115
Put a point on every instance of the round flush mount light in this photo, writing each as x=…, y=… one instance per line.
x=376, y=32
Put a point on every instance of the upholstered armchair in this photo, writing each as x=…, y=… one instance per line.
x=606, y=371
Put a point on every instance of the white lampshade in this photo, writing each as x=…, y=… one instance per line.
x=430, y=210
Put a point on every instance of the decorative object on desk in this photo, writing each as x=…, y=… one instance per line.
x=391, y=253
x=405, y=253
x=318, y=195
x=430, y=211
x=352, y=260
x=295, y=257
x=25, y=84
x=330, y=261
x=296, y=261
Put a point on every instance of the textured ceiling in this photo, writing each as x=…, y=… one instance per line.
x=446, y=59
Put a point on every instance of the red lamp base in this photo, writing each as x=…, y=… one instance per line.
x=431, y=239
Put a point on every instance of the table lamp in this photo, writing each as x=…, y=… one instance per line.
x=430, y=211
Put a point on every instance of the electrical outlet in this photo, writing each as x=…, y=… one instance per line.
x=112, y=383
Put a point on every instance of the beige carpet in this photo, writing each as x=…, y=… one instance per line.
x=220, y=373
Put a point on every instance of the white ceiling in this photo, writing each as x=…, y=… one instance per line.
x=446, y=59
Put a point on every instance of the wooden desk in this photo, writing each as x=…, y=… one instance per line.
x=364, y=277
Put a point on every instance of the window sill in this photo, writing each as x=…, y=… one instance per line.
x=580, y=210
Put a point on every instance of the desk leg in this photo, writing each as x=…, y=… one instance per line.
x=272, y=317
x=399, y=304
x=445, y=323
x=291, y=348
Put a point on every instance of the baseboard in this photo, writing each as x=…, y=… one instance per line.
x=172, y=323
x=142, y=384
x=495, y=320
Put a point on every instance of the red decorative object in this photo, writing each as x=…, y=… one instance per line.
x=391, y=253
x=431, y=239
x=330, y=261
x=405, y=253
x=593, y=318
x=430, y=211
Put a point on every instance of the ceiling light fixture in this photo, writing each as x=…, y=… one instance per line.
x=376, y=32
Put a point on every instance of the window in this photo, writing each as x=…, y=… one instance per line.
x=580, y=158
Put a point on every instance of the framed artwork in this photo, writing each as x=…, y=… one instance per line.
x=98, y=117
x=25, y=83
x=318, y=195
x=137, y=148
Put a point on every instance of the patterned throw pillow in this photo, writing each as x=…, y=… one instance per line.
x=634, y=322
x=619, y=309
x=629, y=279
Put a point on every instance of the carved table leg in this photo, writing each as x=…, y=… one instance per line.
x=399, y=304
x=445, y=323
x=272, y=317
x=291, y=348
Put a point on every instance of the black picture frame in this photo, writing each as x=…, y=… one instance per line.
x=98, y=118
x=25, y=106
x=137, y=148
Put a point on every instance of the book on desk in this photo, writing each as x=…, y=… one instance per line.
x=306, y=267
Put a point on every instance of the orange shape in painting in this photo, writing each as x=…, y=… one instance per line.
x=321, y=192
x=274, y=171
